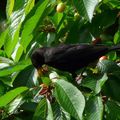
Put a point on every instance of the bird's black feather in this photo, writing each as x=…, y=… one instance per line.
x=69, y=57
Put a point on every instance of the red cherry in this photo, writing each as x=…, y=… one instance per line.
x=44, y=89
x=96, y=41
x=103, y=58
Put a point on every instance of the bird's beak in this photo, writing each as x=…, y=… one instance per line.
x=42, y=70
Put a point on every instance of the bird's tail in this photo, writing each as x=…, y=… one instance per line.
x=115, y=47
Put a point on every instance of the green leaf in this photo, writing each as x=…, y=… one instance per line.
x=50, y=113
x=98, y=24
x=31, y=23
x=59, y=112
x=94, y=109
x=50, y=38
x=107, y=66
x=21, y=8
x=9, y=7
x=94, y=82
x=15, y=104
x=27, y=77
x=113, y=3
x=2, y=53
x=29, y=106
x=2, y=89
x=40, y=112
x=9, y=96
x=86, y=7
x=5, y=60
x=46, y=80
x=100, y=83
x=112, y=86
x=70, y=98
x=112, y=55
x=29, y=6
x=15, y=68
x=12, y=37
x=89, y=82
x=112, y=110
x=3, y=37
x=17, y=52
x=8, y=80
x=117, y=37
x=76, y=27
x=57, y=18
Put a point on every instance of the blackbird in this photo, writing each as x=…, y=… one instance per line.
x=71, y=57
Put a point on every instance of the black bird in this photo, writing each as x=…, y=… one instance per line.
x=69, y=58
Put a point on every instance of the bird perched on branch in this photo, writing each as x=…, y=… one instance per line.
x=69, y=58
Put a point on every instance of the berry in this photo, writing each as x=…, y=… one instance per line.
x=103, y=58
x=60, y=7
x=76, y=15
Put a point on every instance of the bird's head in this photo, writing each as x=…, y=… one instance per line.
x=38, y=60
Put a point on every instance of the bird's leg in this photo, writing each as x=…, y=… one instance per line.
x=80, y=76
x=82, y=71
x=76, y=78
x=74, y=75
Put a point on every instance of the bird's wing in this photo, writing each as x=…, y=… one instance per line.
x=65, y=53
x=73, y=57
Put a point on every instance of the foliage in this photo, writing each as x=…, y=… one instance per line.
x=28, y=24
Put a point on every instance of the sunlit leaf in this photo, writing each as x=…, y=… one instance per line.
x=11, y=95
x=17, y=52
x=14, y=68
x=13, y=34
x=70, y=98
x=6, y=60
x=86, y=7
x=31, y=23
x=9, y=7
x=15, y=104
x=21, y=8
